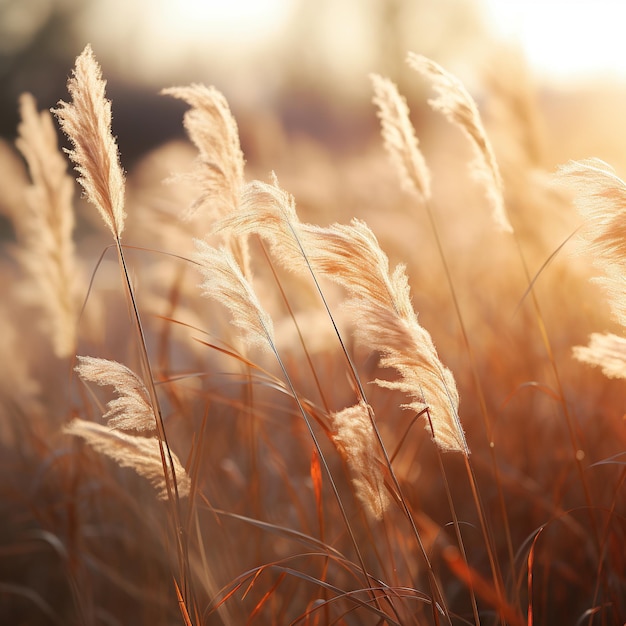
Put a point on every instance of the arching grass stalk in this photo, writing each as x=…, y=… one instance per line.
x=484, y=525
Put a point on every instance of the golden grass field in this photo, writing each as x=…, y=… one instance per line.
x=292, y=385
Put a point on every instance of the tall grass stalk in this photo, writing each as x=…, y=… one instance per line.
x=402, y=145
x=87, y=123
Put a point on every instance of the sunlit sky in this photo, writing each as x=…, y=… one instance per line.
x=565, y=38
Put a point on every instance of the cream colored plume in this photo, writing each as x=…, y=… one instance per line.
x=408, y=348
x=385, y=321
x=87, y=123
x=600, y=196
x=269, y=211
x=274, y=208
x=131, y=410
x=607, y=351
x=213, y=129
x=220, y=164
x=459, y=107
x=44, y=226
x=142, y=454
x=343, y=252
x=353, y=433
x=399, y=136
x=225, y=283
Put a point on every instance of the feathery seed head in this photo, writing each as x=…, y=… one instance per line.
x=354, y=436
x=399, y=136
x=213, y=130
x=131, y=410
x=224, y=282
x=269, y=211
x=600, y=196
x=455, y=102
x=405, y=346
x=606, y=351
x=141, y=454
x=87, y=123
x=45, y=224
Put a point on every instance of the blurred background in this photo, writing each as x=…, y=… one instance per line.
x=305, y=61
x=294, y=69
x=299, y=68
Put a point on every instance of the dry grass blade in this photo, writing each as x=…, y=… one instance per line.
x=474, y=579
x=8, y=590
x=459, y=107
x=607, y=351
x=355, y=438
x=142, y=454
x=225, y=282
x=87, y=123
x=399, y=136
x=338, y=594
x=131, y=410
x=45, y=224
x=600, y=196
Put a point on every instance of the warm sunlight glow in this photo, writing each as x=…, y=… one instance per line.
x=564, y=38
x=158, y=37
x=373, y=370
x=247, y=20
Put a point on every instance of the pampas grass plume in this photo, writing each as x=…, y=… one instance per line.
x=459, y=108
x=213, y=130
x=385, y=321
x=220, y=164
x=45, y=224
x=269, y=211
x=600, y=196
x=225, y=283
x=87, y=123
x=131, y=410
x=399, y=136
x=354, y=436
x=607, y=351
x=142, y=454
